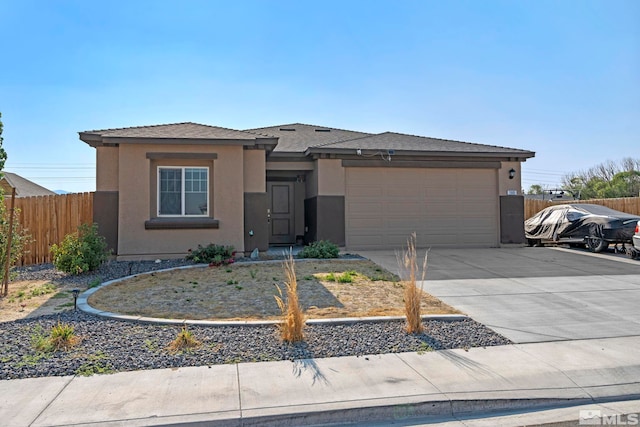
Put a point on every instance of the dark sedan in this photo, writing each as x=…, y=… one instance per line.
x=592, y=225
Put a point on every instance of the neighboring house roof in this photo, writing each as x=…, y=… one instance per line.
x=416, y=144
x=297, y=137
x=172, y=133
x=24, y=187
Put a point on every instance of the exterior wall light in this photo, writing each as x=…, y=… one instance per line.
x=512, y=173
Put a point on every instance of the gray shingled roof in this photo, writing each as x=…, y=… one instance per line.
x=297, y=137
x=174, y=131
x=24, y=187
x=403, y=142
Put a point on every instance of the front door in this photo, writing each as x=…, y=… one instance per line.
x=281, y=218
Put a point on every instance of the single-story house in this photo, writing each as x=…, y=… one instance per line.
x=161, y=190
x=24, y=187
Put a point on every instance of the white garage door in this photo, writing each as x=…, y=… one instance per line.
x=445, y=207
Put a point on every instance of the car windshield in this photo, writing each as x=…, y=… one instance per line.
x=573, y=215
x=599, y=210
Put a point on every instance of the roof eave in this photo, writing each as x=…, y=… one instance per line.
x=165, y=141
x=517, y=155
x=92, y=139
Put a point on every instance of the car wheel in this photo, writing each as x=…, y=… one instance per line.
x=597, y=244
x=534, y=242
x=632, y=253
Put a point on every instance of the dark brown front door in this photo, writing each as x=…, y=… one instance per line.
x=281, y=227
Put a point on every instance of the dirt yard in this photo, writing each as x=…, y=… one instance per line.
x=34, y=298
x=335, y=288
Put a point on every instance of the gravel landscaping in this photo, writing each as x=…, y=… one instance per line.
x=110, y=346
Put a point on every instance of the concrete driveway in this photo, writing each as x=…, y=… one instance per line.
x=536, y=294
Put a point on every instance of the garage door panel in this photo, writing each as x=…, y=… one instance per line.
x=401, y=193
x=445, y=207
x=479, y=208
x=365, y=192
x=366, y=223
x=437, y=209
x=366, y=209
x=438, y=193
x=481, y=224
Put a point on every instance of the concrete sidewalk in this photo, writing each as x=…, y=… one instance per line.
x=446, y=384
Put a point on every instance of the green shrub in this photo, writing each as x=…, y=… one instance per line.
x=81, y=251
x=320, y=249
x=214, y=255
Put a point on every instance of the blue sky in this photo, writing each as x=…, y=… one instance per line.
x=561, y=78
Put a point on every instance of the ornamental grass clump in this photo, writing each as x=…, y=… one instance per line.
x=409, y=272
x=292, y=317
x=184, y=341
x=61, y=337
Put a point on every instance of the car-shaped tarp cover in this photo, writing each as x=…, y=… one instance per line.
x=581, y=221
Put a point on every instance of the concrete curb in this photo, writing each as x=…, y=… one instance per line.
x=372, y=413
x=405, y=412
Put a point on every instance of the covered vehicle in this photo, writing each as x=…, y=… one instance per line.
x=634, y=251
x=592, y=225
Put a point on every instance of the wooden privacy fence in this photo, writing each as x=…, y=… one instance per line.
x=48, y=219
x=624, y=204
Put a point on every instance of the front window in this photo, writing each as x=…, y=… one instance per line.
x=183, y=191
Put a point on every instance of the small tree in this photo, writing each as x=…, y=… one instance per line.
x=19, y=237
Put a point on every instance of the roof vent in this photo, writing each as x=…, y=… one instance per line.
x=323, y=130
x=287, y=129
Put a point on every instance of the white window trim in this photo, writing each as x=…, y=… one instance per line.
x=182, y=192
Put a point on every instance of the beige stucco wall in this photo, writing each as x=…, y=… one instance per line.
x=331, y=177
x=107, y=168
x=254, y=171
x=290, y=166
x=504, y=183
x=135, y=199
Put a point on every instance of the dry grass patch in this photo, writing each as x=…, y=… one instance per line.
x=245, y=292
x=31, y=298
